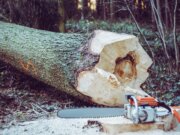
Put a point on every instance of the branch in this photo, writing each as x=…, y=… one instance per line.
x=137, y=25
x=38, y=107
x=4, y=17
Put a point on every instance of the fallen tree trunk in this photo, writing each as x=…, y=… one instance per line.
x=95, y=67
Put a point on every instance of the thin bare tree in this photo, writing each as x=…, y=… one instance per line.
x=112, y=9
x=104, y=10
x=174, y=37
x=159, y=25
x=168, y=16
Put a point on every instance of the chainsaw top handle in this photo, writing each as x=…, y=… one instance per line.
x=136, y=112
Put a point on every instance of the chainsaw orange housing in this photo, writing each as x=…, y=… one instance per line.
x=145, y=101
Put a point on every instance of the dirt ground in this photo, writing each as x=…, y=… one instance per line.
x=23, y=98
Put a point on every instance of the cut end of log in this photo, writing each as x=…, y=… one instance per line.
x=123, y=63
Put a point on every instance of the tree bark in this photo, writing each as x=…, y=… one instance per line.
x=61, y=12
x=104, y=9
x=112, y=9
x=166, y=15
x=159, y=8
x=176, y=47
x=96, y=67
x=85, y=8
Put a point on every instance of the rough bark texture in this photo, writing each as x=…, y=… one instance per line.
x=99, y=67
x=53, y=58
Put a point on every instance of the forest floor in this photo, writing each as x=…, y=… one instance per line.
x=26, y=102
x=23, y=98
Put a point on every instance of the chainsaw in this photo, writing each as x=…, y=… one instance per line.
x=138, y=109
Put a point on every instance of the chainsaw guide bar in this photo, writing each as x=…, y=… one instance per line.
x=90, y=112
x=139, y=110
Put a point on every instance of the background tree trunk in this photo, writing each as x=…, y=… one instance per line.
x=104, y=9
x=92, y=68
x=112, y=10
x=85, y=8
x=158, y=8
x=61, y=12
x=166, y=14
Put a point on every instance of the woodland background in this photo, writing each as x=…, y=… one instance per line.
x=155, y=22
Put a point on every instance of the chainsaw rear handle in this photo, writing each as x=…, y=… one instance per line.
x=162, y=104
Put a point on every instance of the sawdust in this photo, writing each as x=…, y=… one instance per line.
x=58, y=126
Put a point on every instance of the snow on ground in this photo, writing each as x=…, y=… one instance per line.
x=58, y=126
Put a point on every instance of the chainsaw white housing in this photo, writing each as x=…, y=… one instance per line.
x=142, y=114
